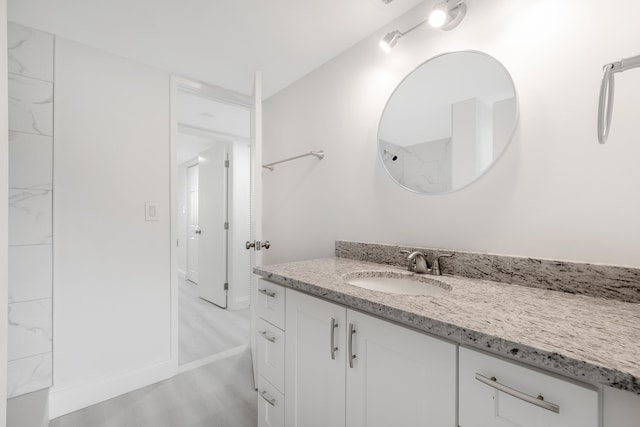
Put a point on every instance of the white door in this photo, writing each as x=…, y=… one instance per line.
x=399, y=377
x=212, y=217
x=193, y=230
x=256, y=205
x=315, y=363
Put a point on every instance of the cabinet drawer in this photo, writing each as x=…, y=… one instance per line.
x=270, y=343
x=270, y=303
x=483, y=404
x=270, y=405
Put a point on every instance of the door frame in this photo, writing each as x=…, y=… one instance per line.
x=191, y=164
x=206, y=90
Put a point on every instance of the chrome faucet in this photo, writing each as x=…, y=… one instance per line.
x=418, y=262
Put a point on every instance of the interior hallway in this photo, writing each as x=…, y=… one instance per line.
x=220, y=394
x=206, y=329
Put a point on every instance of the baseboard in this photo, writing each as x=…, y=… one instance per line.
x=214, y=358
x=65, y=401
x=239, y=303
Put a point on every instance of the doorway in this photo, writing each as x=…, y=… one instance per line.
x=212, y=170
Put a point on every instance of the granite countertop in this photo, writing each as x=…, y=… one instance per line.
x=595, y=340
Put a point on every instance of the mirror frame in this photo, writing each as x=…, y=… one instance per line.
x=512, y=131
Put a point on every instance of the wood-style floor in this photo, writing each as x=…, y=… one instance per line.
x=220, y=394
x=206, y=329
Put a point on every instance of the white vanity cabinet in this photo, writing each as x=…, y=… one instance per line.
x=621, y=408
x=487, y=386
x=314, y=379
x=345, y=368
x=270, y=345
x=400, y=377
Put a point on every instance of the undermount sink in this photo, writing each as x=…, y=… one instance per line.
x=393, y=282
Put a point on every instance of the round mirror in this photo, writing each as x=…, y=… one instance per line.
x=447, y=122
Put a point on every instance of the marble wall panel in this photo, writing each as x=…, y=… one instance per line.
x=30, y=52
x=30, y=105
x=31, y=75
x=30, y=217
x=425, y=167
x=30, y=272
x=30, y=161
x=30, y=326
x=29, y=374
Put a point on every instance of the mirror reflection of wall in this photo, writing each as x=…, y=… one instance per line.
x=447, y=122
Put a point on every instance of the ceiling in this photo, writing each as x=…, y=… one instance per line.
x=204, y=122
x=221, y=42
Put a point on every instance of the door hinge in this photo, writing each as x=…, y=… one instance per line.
x=226, y=163
x=226, y=225
x=226, y=286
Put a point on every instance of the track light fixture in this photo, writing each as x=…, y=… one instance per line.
x=445, y=15
x=389, y=41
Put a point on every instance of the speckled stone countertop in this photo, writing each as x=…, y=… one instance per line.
x=595, y=340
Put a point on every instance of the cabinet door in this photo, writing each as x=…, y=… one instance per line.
x=270, y=353
x=314, y=380
x=270, y=303
x=270, y=405
x=482, y=404
x=399, y=377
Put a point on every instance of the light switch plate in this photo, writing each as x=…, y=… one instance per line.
x=151, y=211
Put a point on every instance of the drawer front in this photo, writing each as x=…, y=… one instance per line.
x=270, y=343
x=483, y=404
x=270, y=303
x=270, y=405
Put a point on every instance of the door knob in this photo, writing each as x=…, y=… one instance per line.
x=257, y=245
x=198, y=231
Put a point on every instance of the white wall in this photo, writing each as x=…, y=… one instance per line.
x=4, y=220
x=555, y=193
x=111, y=267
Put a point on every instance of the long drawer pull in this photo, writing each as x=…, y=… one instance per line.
x=270, y=400
x=352, y=330
x=267, y=337
x=538, y=401
x=267, y=293
x=332, y=340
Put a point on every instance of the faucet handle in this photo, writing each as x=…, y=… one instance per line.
x=435, y=267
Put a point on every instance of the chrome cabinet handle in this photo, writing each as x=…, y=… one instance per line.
x=267, y=337
x=267, y=293
x=248, y=245
x=352, y=330
x=332, y=341
x=198, y=231
x=270, y=400
x=538, y=401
